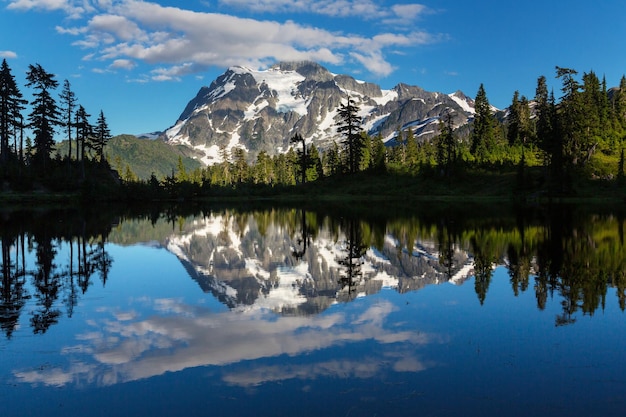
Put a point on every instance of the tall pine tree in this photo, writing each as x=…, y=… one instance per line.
x=101, y=136
x=350, y=127
x=303, y=160
x=11, y=106
x=482, y=137
x=45, y=115
x=68, y=103
x=545, y=125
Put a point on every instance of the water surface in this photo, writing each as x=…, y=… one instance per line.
x=284, y=312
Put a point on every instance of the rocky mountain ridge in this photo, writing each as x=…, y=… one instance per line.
x=261, y=110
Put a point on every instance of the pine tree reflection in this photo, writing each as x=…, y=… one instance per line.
x=351, y=274
x=47, y=284
x=303, y=240
x=447, y=239
x=519, y=259
x=52, y=284
x=483, y=265
x=13, y=294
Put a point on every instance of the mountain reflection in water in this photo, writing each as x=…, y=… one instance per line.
x=327, y=303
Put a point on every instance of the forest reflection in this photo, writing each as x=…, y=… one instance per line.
x=51, y=258
x=50, y=281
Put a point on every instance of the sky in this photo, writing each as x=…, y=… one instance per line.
x=141, y=62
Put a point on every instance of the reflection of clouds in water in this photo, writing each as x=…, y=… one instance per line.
x=187, y=336
x=366, y=367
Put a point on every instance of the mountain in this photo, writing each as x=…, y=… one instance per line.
x=146, y=157
x=262, y=110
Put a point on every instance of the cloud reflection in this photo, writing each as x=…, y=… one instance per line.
x=177, y=336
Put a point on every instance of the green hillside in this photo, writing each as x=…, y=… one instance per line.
x=143, y=156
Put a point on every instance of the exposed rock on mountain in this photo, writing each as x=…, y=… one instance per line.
x=262, y=110
x=247, y=269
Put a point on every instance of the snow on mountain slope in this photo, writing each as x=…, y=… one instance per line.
x=467, y=104
x=260, y=110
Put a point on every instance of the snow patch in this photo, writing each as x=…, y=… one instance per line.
x=285, y=84
x=462, y=103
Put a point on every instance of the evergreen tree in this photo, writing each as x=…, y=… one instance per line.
x=379, y=152
x=545, y=124
x=291, y=164
x=223, y=175
x=350, y=127
x=264, y=169
x=570, y=116
x=619, y=102
x=519, y=125
x=129, y=175
x=45, y=114
x=68, y=103
x=280, y=167
x=101, y=136
x=11, y=106
x=594, y=123
x=366, y=152
x=411, y=149
x=446, y=144
x=513, y=127
x=303, y=160
x=240, y=166
x=482, y=138
x=620, y=168
x=526, y=126
x=181, y=171
x=314, y=168
x=400, y=148
x=84, y=130
x=331, y=161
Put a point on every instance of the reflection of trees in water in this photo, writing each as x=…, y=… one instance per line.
x=484, y=262
x=447, y=240
x=545, y=244
x=303, y=239
x=577, y=259
x=13, y=291
x=519, y=258
x=574, y=259
x=352, y=261
x=47, y=283
x=52, y=282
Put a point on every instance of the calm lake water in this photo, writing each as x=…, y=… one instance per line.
x=289, y=312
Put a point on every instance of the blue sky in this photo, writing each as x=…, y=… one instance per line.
x=140, y=62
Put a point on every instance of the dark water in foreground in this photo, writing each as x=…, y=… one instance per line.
x=284, y=312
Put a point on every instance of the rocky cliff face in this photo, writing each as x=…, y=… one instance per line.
x=262, y=110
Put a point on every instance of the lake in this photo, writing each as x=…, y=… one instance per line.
x=266, y=311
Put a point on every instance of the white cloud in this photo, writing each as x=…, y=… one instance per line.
x=405, y=14
x=123, y=64
x=182, y=41
x=70, y=31
x=74, y=9
x=364, y=9
x=8, y=54
x=173, y=73
x=117, y=26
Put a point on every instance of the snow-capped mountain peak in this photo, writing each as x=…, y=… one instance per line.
x=260, y=110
